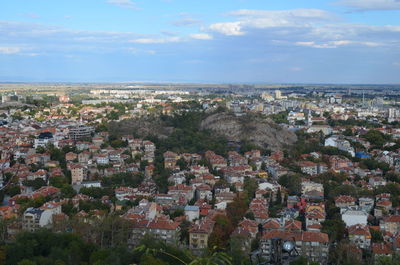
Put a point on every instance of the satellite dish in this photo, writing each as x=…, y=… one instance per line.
x=288, y=246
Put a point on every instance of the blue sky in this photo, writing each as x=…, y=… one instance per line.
x=244, y=41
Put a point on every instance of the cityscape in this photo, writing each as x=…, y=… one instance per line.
x=168, y=133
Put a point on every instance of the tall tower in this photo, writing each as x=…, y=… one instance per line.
x=278, y=94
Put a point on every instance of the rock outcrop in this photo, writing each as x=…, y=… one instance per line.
x=250, y=128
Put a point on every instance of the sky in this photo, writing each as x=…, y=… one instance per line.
x=208, y=41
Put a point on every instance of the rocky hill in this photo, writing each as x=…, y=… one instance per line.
x=141, y=127
x=262, y=132
x=249, y=128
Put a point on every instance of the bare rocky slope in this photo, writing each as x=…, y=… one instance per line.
x=141, y=127
x=261, y=132
x=249, y=128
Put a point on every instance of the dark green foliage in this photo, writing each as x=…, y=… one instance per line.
x=36, y=183
x=292, y=183
x=123, y=179
x=183, y=165
x=335, y=228
x=376, y=138
x=67, y=191
x=393, y=189
x=46, y=246
x=372, y=164
x=250, y=186
x=348, y=132
x=303, y=261
x=118, y=143
x=68, y=209
x=188, y=137
x=376, y=235
x=88, y=206
x=176, y=213
x=353, y=122
x=97, y=193
x=58, y=181
x=12, y=190
x=280, y=117
x=394, y=177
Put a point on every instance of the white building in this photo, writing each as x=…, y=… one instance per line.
x=192, y=212
x=354, y=215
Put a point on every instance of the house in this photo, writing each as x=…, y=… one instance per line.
x=84, y=157
x=325, y=129
x=225, y=197
x=200, y=233
x=35, y=218
x=360, y=236
x=32, y=219
x=203, y=192
x=114, y=156
x=366, y=203
x=40, y=174
x=44, y=139
x=122, y=193
x=235, y=159
x=165, y=199
x=377, y=181
x=170, y=159
x=160, y=228
x=78, y=173
x=314, y=216
x=8, y=212
x=192, y=212
x=344, y=201
x=181, y=190
x=390, y=224
x=149, y=146
x=313, y=245
x=382, y=207
x=341, y=144
x=382, y=249
x=215, y=160
x=70, y=156
x=311, y=186
x=271, y=224
x=308, y=167
x=337, y=163
x=102, y=159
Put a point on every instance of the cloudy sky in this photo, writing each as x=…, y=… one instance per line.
x=252, y=41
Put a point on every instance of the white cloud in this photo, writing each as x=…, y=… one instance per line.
x=396, y=64
x=201, y=36
x=263, y=19
x=123, y=4
x=156, y=40
x=228, y=28
x=364, y=5
x=295, y=69
x=336, y=44
x=137, y=51
x=186, y=21
x=292, y=13
x=312, y=44
x=10, y=50
x=281, y=18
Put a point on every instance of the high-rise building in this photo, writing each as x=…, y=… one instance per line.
x=278, y=94
x=81, y=131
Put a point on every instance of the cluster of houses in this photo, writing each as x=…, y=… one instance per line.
x=200, y=186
